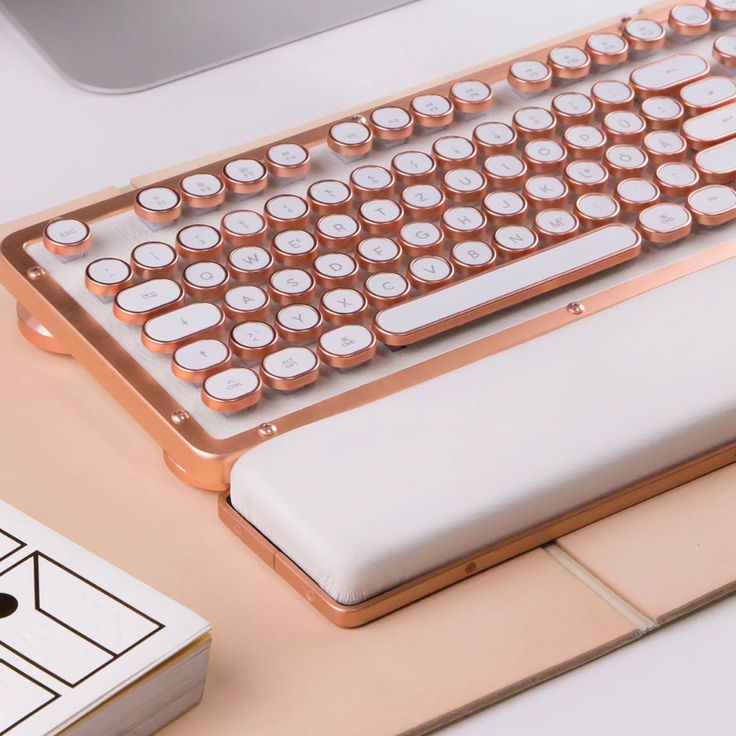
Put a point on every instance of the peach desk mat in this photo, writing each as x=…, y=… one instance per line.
x=76, y=461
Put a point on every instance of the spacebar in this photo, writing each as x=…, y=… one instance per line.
x=506, y=285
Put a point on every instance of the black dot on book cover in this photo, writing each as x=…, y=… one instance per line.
x=8, y=605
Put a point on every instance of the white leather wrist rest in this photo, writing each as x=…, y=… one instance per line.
x=368, y=499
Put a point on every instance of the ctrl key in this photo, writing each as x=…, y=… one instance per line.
x=232, y=390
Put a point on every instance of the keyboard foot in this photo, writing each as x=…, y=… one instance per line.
x=37, y=334
x=192, y=480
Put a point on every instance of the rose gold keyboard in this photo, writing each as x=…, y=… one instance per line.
x=234, y=290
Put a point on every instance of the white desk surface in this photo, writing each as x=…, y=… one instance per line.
x=59, y=142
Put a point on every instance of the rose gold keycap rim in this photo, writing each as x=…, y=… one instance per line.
x=158, y=217
x=199, y=375
x=202, y=201
x=562, y=71
x=76, y=248
x=147, y=272
x=230, y=406
x=235, y=238
x=690, y=30
x=288, y=171
x=100, y=288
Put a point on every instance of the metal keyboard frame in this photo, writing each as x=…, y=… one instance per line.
x=52, y=319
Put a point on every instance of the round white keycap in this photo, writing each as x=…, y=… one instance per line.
x=637, y=191
x=644, y=29
x=413, y=163
x=545, y=187
x=381, y=210
x=464, y=219
x=294, y=242
x=422, y=195
x=471, y=90
x=612, y=91
x=338, y=226
x=343, y=301
x=286, y=207
x=329, y=191
x=534, y=118
x=287, y=154
x=346, y=340
x=726, y=45
x=421, y=234
x=556, y=221
x=503, y=165
x=158, y=199
x=154, y=255
x=246, y=298
x=690, y=14
x=515, y=237
x=201, y=185
x=245, y=170
x=291, y=281
x=391, y=118
x=298, y=317
x=434, y=105
x=108, y=271
x=350, y=132
x=201, y=355
x=623, y=121
x=290, y=362
x=529, y=70
x=430, y=268
x=473, y=253
x=454, y=147
x=250, y=258
x=544, y=151
x=662, y=108
x=199, y=237
x=713, y=199
x=584, y=136
x=573, y=103
x=335, y=265
x=597, y=206
x=232, y=384
x=148, y=295
x=586, y=172
x=371, y=177
x=378, y=250
x=504, y=203
x=626, y=157
x=386, y=285
x=464, y=180
x=67, y=231
x=664, y=142
x=569, y=57
x=664, y=217
x=494, y=134
x=253, y=335
x=606, y=43
x=677, y=174
x=244, y=222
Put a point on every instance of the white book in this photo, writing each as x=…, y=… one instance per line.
x=86, y=647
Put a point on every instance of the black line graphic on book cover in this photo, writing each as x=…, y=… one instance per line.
x=19, y=544
x=54, y=695
x=114, y=656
